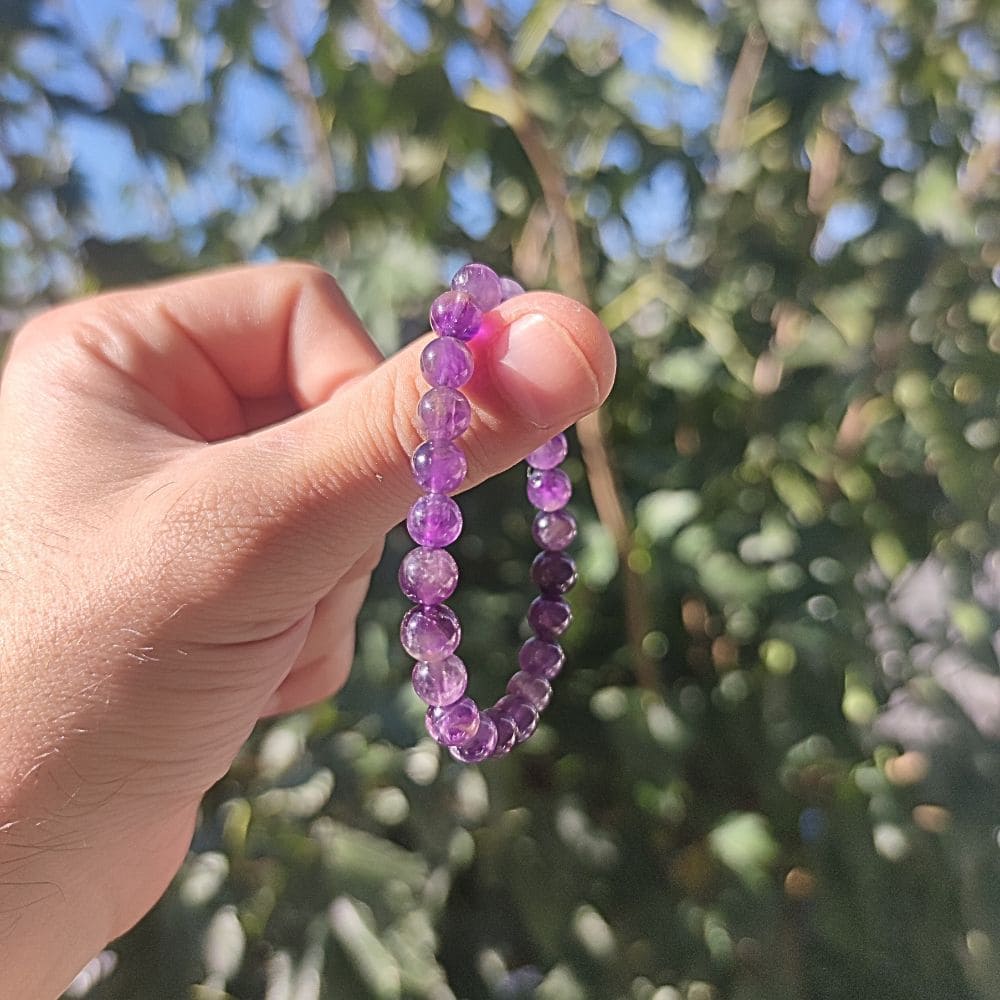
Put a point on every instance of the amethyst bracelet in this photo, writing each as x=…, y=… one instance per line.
x=428, y=575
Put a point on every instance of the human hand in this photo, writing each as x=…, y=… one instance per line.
x=198, y=477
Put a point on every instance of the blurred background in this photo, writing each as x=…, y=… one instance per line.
x=771, y=770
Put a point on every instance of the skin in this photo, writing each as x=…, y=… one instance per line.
x=198, y=478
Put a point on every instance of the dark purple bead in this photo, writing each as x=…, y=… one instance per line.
x=428, y=576
x=446, y=361
x=439, y=466
x=509, y=288
x=453, y=725
x=553, y=572
x=430, y=633
x=521, y=713
x=554, y=530
x=434, y=520
x=537, y=690
x=549, y=618
x=481, y=745
x=549, y=489
x=445, y=413
x=506, y=733
x=550, y=454
x=455, y=314
x=544, y=659
x=481, y=282
x=441, y=683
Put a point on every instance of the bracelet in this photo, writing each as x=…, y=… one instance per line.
x=430, y=632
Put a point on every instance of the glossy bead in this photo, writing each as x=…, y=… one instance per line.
x=553, y=572
x=550, y=454
x=444, y=412
x=549, y=489
x=430, y=633
x=455, y=314
x=434, y=520
x=537, y=690
x=428, y=576
x=549, y=618
x=446, y=361
x=506, y=733
x=453, y=725
x=544, y=659
x=481, y=282
x=554, y=530
x=509, y=288
x=439, y=466
x=441, y=683
x=521, y=714
x=481, y=745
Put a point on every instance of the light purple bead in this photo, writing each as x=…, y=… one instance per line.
x=453, y=725
x=430, y=633
x=554, y=530
x=446, y=361
x=481, y=745
x=509, y=288
x=537, y=690
x=549, y=489
x=455, y=314
x=428, y=576
x=521, y=713
x=434, y=520
x=481, y=282
x=549, y=618
x=441, y=683
x=553, y=572
x=550, y=454
x=445, y=413
x=439, y=466
x=544, y=659
x=506, y=733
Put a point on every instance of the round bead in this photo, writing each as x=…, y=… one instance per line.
x=430, y=633
x=434, y=520
x=553, y=572
x=481, y=282
x=550, y=454
x=506, y=733
x=441, y=683
x=453, y=725
x=521, y=714
x=509, y=288
x=554, y=530
x=481, y=745
x=537, y=690
x=439, y=466
x=549, y=617
x=446, y=361
x=543, y=659
x=549, y=489
x=455, y=314
x=444, y=412
x=428, y=576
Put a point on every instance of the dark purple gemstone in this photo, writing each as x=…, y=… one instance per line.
x=544, y=659
x=506, y=733
x=453, y=725
x=481, y=745
x=428, y=576
x=441, y=683
x=455, y=314
x=446, y=361
x=430, y=633
x=553, y=572
x=549, y=618
x=434, y=520
x=509, y=288
x=549, y=489
x=550, y=454
x=521, y=713
x=481, y=282
x=445, y=413
x=439, y=466
x=537, y=690
x=554, y=530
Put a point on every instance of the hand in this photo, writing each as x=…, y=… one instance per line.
x=198, y=477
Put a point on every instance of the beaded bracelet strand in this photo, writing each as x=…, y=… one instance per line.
x=430, y=631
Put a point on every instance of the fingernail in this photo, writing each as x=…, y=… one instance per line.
x=541, y=372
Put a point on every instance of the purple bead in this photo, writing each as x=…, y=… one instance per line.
x=453, y=725
x=446, y=361
x=428, y=576
x=481, y=745
x=550, y=454
x=509, y=288
x=543, y=659
x=549, y=617
x=506, y=733
x=537, y=690
x=549, y=489
x=434, y=520
x=521, y=713
x=439, y=466
x=430, y=633
x=455, y=314
x=553, y=572
x=445, y=413
x=481, y=282
x=441, y=683
x=554, y=530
